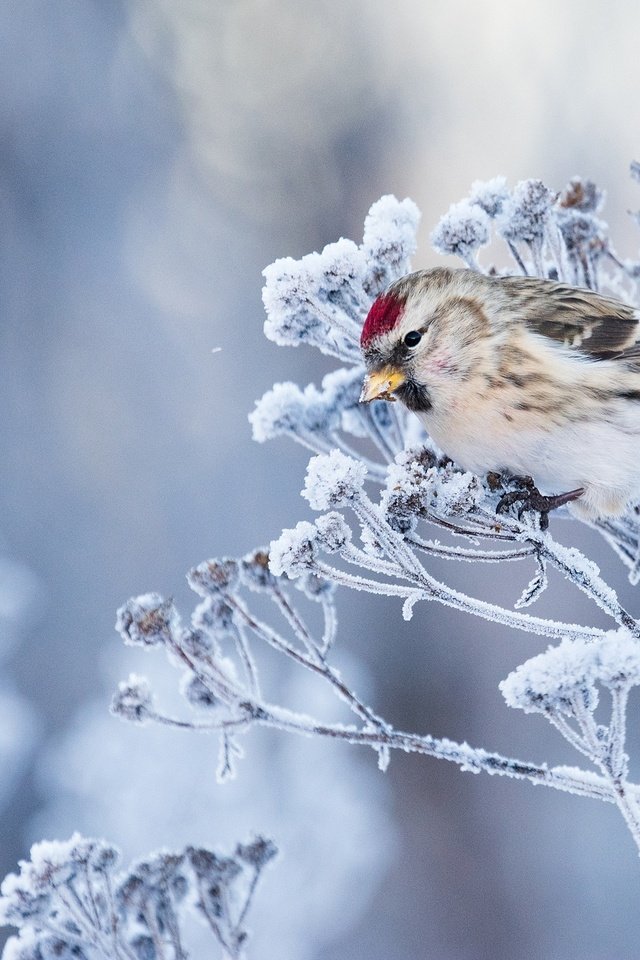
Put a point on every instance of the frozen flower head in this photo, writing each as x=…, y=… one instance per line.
x=581, y=195
x=419, y=483
x=213, y=615
x=257, y=853
x=163, y=874
x=408, y=485
x=255, y=572
x=322, y=298
x=68, y=905
x=315, y=587
x=294, y=552
x=568, y=674
x=316, y=300
x=333, y=533
x=389, y=242
x=197, y=643
x=616, y=659
x=525, y=215
x=198, y=693
x=490, y=195
x=147, y=620
x=585, y=236
x=333, y=480
x=461, y=231
x=133, y=700
x=553, y=680
x=285, y=410
x=279, y=412
x=211, y=867
x=287, y=297
x=341, y=389
x=457, y=492
x=214, y=576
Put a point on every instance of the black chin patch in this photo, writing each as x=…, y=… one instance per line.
x=414, y=396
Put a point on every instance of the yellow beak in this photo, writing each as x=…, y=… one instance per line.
x=381, y=384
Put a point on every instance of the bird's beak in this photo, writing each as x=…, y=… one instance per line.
x=381, y=384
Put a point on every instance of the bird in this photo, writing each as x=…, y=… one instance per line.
x=516, y=376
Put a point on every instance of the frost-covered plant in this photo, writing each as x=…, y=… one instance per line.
x=385, y=495
x=69, y=901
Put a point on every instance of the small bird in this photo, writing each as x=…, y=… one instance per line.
x=516, y=375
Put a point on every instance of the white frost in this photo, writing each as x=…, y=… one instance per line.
x=389, y=241
x=554, y=678
x=490, y=195
x=293, y=552
x=333, y=480
x=463, y=229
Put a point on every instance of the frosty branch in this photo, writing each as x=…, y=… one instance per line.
x=386, y=496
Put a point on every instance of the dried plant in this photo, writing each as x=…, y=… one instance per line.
x=69, y=902
x=385, y=495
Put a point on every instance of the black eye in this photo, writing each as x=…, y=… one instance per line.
x=413, y=338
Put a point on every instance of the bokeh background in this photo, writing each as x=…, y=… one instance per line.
x=155, y=156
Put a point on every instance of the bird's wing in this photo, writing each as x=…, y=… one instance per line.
x=599, y=327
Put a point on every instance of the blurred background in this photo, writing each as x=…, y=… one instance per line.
x=156, y=155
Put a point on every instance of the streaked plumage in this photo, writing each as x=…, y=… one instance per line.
x=516, y=374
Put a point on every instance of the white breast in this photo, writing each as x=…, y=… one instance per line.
x=603, y=457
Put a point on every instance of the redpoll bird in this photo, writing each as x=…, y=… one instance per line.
x=517, y=375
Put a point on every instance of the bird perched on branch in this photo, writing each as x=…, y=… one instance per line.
x=519, y=375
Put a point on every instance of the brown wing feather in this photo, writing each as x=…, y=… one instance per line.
x=599, y=327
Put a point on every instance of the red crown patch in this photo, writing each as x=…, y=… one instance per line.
x=384, y=314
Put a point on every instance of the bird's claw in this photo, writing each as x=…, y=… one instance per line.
x=530, y=498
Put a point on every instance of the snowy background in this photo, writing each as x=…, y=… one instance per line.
x=157, y=154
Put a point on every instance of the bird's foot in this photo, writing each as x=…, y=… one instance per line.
x=527, y=495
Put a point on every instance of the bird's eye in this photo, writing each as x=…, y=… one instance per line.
x=413, y=338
